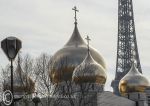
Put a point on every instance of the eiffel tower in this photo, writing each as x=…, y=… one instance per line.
x=127, y=45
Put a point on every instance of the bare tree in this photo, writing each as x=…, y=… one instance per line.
x=42, y=66
x=39, y=69
x=5, y=75
x=25, y=76
x=28, y=69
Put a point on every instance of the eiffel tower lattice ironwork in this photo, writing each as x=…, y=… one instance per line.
x=127, y=44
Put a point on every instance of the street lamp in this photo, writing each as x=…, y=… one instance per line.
x=11, y=46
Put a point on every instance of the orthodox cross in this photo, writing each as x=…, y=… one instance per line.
x=88, y=42
x=75, y=10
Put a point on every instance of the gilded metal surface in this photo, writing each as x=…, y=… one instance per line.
x=133, y=81
x=22, y=83
x=89, y=71
x=62, y=74
x=71, y=55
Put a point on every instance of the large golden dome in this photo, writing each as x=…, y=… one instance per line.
x=70, y=56
x=89, y=71
x=133, y=81
x=21, y=82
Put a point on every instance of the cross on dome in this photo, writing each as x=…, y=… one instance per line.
x=88, y=43
x=75, y=10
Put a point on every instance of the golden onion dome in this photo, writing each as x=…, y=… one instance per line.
x=70, y=56
x=133, y=81
x=21, y=82
x=89, y=71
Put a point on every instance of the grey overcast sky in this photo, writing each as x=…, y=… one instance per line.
x=46, y=25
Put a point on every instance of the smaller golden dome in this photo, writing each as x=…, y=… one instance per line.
x=133, y=81
x=21, y=82
x=89, y=71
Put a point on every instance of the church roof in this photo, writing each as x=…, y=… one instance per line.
x=107, y=98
